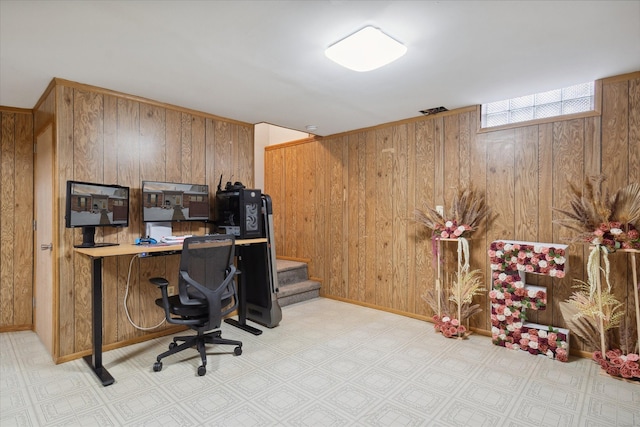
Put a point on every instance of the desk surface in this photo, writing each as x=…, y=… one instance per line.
x=130, y=249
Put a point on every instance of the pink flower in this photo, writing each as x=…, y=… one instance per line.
x=599, y=233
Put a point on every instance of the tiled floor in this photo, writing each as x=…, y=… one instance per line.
x=328, y=364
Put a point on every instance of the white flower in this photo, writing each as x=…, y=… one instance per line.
x=495, y=267
x=533, y=344
x=517, y=325
x=531, y=293
x=508, y=246
x=502, y=277
x=507, y=312
x=550, y=354
x=559, y=260
x=525, y=335
x=529, y=254
x=502, y=336
x=448, y=224
x=516, y=346
x=501, y=317
x=537, y=249
x=499, y=254
x=553, y=272
x=446, y=319
x=543, y=263
x=495, y=330
x=615, y=231
x=510, y=327
x=542, y=334
x=521, y=267
x=514, y=259
x=518, y=284
x=461, y=229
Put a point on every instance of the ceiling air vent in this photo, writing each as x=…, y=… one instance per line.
x=430, y=111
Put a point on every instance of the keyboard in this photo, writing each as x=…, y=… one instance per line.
x=174, y=239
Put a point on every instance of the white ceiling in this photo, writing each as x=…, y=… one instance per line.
x=263, y=61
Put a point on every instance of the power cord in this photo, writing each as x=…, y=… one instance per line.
x=126, y=295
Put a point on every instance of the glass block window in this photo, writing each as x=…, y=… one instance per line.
x=570, y=100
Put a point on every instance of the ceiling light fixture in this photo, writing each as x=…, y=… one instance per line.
x=365, y=50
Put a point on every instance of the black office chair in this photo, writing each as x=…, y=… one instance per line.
x=206, y=294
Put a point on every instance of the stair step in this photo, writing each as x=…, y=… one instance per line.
x=294, y=284
x=291, y=272
x=297, y=292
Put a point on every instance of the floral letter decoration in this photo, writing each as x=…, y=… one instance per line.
x=511, y=297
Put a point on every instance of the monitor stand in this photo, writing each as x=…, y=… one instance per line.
x=89, y=239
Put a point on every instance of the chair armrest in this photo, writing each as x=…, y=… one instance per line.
x=159, y=281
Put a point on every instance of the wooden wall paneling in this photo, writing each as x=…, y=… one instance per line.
x=128, y=147
x=526, y=183
x=306, y=207
x=400, y=215
x=615, y=166
x=356, y=215
x=480, y=242
x=335, y=191
x=152, y=163
x=173, y=147
x=545, y=210
x=345, y=233
x=318, y=265
x=425, y=141
x=88, y=165
x=371, y=225
x=64, y=310
x=274, y=186
x=246, y=165
x=500, y=184
x=7, y=219
x=568, y=167
x=439, y=153
x=290, y=180
x=634, y=130
x=111, y=302
x=23, y=246
x=411, y=225
x=385, y=153
x=451, y=160
x=44, y=111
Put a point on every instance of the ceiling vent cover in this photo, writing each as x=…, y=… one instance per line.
x=430, y=111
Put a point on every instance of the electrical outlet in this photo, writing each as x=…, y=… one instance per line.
x=171, y=290
x=440, y=210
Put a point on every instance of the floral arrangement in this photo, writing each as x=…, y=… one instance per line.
x=538, y=259
x=511, y=297
x=468, y=211
x=617, y=364
x=600, y=219
x=551, y=343
x=467, y=285
x=449, y=327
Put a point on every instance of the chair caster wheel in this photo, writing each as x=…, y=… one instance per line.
x=157, y=367
x=172, y=346
x=237, y=351
x=202, y=370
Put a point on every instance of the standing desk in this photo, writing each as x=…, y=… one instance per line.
x=94, y=360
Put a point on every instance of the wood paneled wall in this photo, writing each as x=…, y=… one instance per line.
x=103, y=136
x=16, y=219
x=346, y=202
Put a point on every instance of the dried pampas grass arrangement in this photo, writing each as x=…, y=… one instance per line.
x=468, y=211
x=603, y=219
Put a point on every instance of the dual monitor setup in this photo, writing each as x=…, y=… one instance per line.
x=91, y=205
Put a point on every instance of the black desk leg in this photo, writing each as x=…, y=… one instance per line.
x=242, y=305
x=94, y=360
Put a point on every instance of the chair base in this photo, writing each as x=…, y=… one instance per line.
x=199, y=342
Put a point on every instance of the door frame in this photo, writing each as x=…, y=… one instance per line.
x=53, y=300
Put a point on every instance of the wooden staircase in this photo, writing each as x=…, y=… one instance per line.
x=294, y=284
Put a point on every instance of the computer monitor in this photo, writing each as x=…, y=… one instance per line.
x=174, y=202
x=90, y=205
